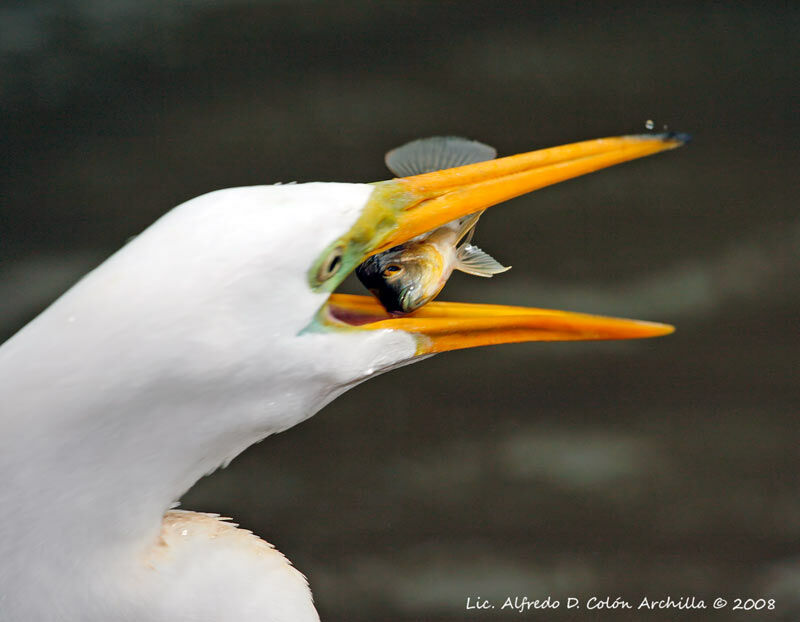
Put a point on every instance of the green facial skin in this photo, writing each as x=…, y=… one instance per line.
x=377, y=220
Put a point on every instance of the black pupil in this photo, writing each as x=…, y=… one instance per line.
x=393, y=269
x=333, y=264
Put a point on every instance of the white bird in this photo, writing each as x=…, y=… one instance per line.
x=211, y=330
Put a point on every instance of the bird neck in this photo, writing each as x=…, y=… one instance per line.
x=181, y=350
x=106, y=427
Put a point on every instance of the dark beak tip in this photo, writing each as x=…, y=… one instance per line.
x=677, y=137
x=681, y=137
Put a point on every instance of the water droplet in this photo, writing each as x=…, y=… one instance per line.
x=649, y=124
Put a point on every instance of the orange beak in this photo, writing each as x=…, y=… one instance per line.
x=403, y=208
x=433, y=199
x=442, y=326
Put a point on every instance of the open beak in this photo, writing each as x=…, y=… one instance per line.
x=401, y=209
x=442, y=326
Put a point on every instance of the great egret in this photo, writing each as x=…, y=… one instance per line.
x=211, y=330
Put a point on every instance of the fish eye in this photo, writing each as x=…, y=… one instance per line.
x=331, y=264
x=392, y=270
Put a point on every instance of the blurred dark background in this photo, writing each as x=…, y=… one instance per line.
x=665, y=467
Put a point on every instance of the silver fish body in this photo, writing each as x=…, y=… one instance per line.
x=408, y=276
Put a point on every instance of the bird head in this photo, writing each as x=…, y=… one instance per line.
x=238, y=285
x=400, y=209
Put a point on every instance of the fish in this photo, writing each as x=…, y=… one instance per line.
x=406, y=277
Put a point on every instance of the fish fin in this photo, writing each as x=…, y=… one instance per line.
x=467, y=226
x=472, y=260
x=436, y=153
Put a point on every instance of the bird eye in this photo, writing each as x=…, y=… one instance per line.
x=392, y=270
x=331, y=264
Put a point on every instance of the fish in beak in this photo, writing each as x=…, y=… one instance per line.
x=410, y=275
x=403, y=208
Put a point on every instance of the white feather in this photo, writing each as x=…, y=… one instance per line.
x=165, y=362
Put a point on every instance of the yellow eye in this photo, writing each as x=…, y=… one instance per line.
x=331, y=264
x=392, y=270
